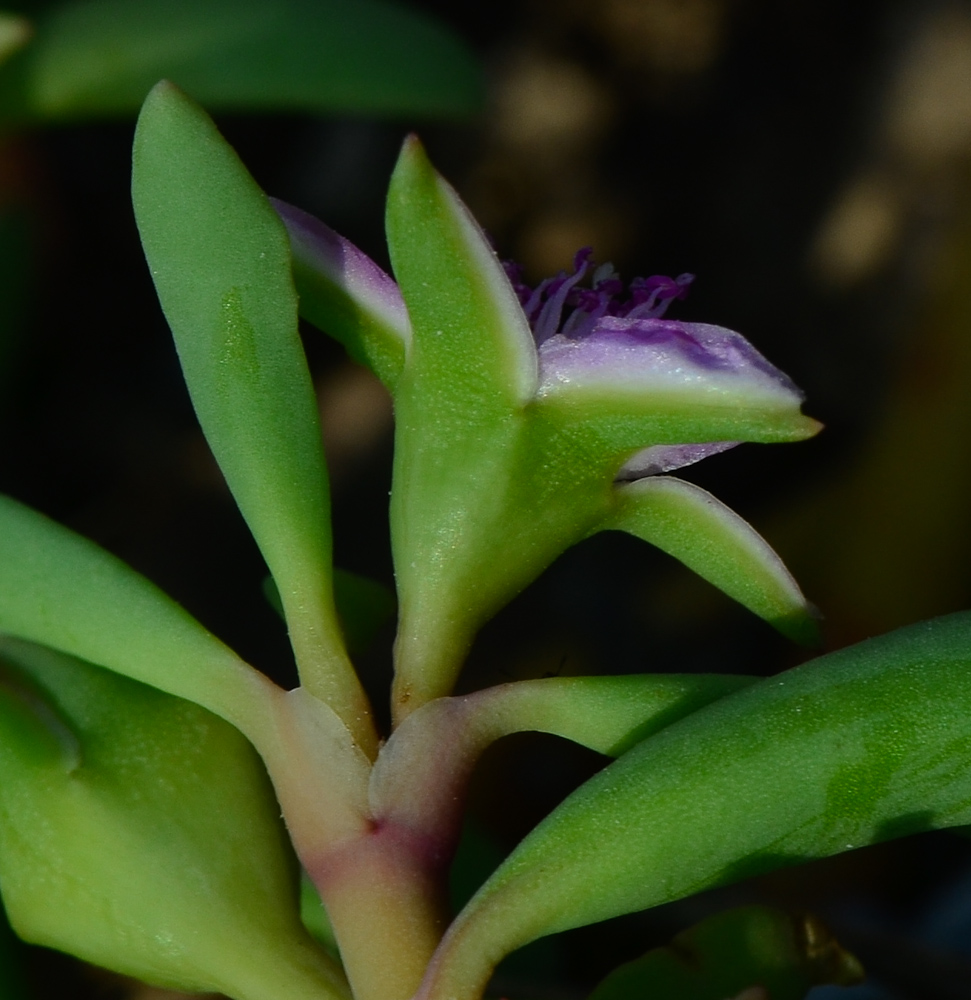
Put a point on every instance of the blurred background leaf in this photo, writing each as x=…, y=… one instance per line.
x=101, y=57
x=752, y=946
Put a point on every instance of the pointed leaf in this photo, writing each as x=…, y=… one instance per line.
x=459, y=403
x=220, y=258
x=688, y=523
x=101, y=57
x=345, y=294
x=616, y=426
x=471, y=340
x=61, y=590
x=607, y=714
x=859, y=746
x=154, y=846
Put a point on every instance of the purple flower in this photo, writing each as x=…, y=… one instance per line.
x=615, y=336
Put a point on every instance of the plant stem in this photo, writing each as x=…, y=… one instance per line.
x=386, y=901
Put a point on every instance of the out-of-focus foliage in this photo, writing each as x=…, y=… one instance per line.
x=95, y=58
x=753, y=946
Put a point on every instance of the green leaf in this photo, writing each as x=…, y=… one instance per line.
x=607, y=714
x=470, y=370
x=859, y=746
x=614, y=425
x=727, y=953
x=220, y=258
x=61, y=590
x=471, y=340
x=151, y=844
x=690, y=524
x=101, y=57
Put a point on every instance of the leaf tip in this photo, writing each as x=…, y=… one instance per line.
x=801, y=625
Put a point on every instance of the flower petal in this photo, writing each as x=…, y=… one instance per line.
x=345, y=294
x=650, y=380
x=688, y=523
x=660, y=356
x=667, y=457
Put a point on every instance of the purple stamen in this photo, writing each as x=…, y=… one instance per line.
x=548, y=320
x=544, y=305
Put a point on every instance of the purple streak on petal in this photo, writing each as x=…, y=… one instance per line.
x=318, y=247
x=666, y=457
x=650, y=354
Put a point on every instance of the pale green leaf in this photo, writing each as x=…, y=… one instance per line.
x=153, y=844
x=470, y=370
x=62, y=590
x=690, y=524
x=220, y=259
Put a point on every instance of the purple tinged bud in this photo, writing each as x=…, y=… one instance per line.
x=337, y=259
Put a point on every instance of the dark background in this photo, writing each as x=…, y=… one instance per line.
x=809, y=161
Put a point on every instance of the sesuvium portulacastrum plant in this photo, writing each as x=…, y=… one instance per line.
x=138, y=829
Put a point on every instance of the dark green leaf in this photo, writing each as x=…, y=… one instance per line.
x=101, y=57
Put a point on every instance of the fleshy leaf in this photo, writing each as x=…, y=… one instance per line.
x=784, y=955
x=154, y=847
x=62, y=590
x=496, y=473
x=101, y=57
x=220, y=258
x=345, y=294
x=470, y=371
x=690, y=524
x=471, y=340
x=860, y=746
